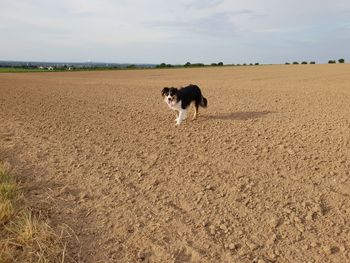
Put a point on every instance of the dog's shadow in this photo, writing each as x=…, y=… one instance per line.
x=239, y=115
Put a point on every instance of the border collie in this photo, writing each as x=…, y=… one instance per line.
x=180, y=100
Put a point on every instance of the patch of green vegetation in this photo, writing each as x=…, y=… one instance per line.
x=9, y=70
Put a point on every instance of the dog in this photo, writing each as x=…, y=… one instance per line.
x=180, y=100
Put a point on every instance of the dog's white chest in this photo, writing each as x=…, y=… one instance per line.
x=175, y=105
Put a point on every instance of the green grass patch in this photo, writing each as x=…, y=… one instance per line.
x=14, y=70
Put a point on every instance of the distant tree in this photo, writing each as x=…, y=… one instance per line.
x=341, y=60
x=256, y=64
x=244, y=64
x=132, y=66
x=295, y=63
x=312, y=62
x=213, y=64
x=197, y=65
x=331, y=62
x=163, y=65
x=193, y=65
x=287, y=63
x=304, y=62
x=220, y=64
x=250, y=64
x=238, y=64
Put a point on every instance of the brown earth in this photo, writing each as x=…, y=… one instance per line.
x=261, y=176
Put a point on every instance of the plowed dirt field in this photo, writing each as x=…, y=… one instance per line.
x=261, y=176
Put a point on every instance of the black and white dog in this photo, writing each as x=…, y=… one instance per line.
x=180, y=99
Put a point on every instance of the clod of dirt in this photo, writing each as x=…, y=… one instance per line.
x=328, y=250
x=143, y=256
x=274, y=222
x=313, y=244
x=209, y=187
x=252, y=245
x=212, y=230
x=309, y=216
x=232, y=246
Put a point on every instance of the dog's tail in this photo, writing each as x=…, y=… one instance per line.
x=204, y=102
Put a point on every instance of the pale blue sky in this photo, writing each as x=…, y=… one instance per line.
x=155, y=31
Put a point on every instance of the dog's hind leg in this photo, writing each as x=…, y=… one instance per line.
x=196, y=105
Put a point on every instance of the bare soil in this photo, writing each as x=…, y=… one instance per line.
x=261, y=176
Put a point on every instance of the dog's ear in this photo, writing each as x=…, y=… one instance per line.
x=165, y=90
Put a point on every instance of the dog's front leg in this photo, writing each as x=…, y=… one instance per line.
x=182, y=116
x=177, y=116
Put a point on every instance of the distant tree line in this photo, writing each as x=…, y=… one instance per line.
x=303, y=63
x=38, y=66
x=341, y=60
x=199, y=65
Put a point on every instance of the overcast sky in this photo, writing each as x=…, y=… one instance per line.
x=155, y=31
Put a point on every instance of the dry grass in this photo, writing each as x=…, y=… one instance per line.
x=7, y=194
x=24, y=236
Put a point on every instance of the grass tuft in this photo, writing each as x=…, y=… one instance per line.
x=6, y=210
x=4, y=174
x=7, y=191
x=7, y=194
x=24, y=235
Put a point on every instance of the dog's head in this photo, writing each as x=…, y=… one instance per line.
x=170, y=95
